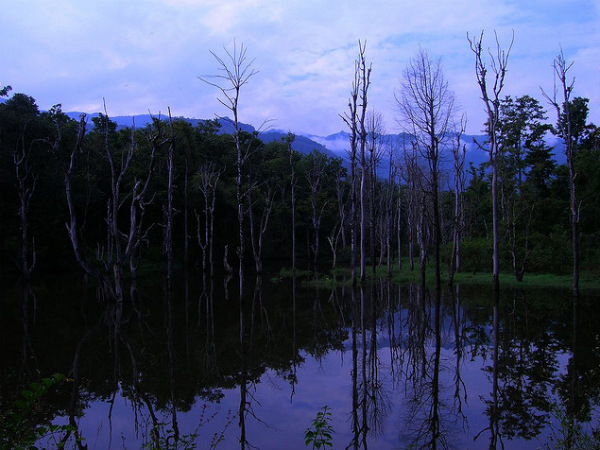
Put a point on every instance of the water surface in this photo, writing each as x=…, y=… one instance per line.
x=396, y=366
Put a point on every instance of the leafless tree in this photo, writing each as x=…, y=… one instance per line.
x=562, y=105
x=337, y=232
x=26, y=181
x=266, y=196
x=122, y=239
x=289, y=139
x=491, y=99
x=235, y=71
x=169, y=210
x=458, y=156
x=318, y=202
x=208, y=180
x=355, y=120
x=374, y=144
x=426, y=106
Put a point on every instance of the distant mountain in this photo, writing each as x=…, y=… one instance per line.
x=301, y=144
x=333, y=145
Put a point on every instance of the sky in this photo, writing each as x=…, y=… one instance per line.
x=143, y=56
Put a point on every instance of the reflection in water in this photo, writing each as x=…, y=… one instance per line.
x=397, y=366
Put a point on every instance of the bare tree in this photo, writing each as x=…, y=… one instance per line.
x=289, y=139
x=365, y=77
x=169, y=212
x=491, y=99
x=234, y=73
x=122, y=239
x=562, y=106
x=318, y=202
x=426, y=106
x=208, y=179
x=26, y=181
x=338, y=230
x=375, y=132
x=458, y=154
x=355, y=120
x=266, y=196
x=351, y=120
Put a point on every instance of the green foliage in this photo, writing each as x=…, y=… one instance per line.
x=320, y=435
x=476, y=255
x=20, y=428
x=571, y=435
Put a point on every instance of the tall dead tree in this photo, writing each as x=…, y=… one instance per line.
x=458, y=157
x=318, y=202
x=355, y=120
x=562, y=105
x=289, y=139
x=374, y=146
x=426, y=106
x=124, y=233
x=490, y=94
x=365, y=77
x=234, y=73
x=266, y=197
x=337, y=232
x=26, y=181
x=351, y=120
x=169, y=212
x=208, y=179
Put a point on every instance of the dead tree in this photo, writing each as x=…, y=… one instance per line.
x=234, y=73
x=26, y=181
x=208, y=179
x=374, y=146
x=337, y=232
x=426, y=106
x=365, y=81
x=170, y=140
x=491, y=99
x=289, y=139
x=562, y=106
x=122, y=240
x=355, y=120
x=259, y=228
x=318, y=203
x=351, y=120
x=458, y=157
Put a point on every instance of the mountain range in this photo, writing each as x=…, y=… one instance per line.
x=333, y=145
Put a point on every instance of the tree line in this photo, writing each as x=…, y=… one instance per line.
x=85, y=193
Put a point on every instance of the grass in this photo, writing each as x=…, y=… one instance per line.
x=587, y=282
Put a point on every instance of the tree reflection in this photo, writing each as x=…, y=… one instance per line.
x=433, y=417
x=147, y=362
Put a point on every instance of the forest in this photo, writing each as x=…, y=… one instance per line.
x=88, y=195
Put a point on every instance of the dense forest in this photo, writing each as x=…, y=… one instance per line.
x=86, y=194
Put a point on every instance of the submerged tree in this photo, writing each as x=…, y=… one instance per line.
x=426, y=105
x=491, y=99
x=235, y=72
x=567, y=129
x=355, y=119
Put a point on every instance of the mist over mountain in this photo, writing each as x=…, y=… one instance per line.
x=333, y=145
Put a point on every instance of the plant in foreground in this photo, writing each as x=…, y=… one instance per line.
x=320, y=435
x=18, y=427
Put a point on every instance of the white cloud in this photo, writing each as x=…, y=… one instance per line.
x=147, y=54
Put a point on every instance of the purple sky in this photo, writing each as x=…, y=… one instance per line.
x=147, y=55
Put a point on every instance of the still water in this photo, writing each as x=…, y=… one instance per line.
x=396, y=366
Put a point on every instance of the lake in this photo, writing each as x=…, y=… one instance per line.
x=397, y=367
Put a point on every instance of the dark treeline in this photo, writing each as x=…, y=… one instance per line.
x=89, y=195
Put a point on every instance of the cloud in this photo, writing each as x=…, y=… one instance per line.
x=148, y=54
